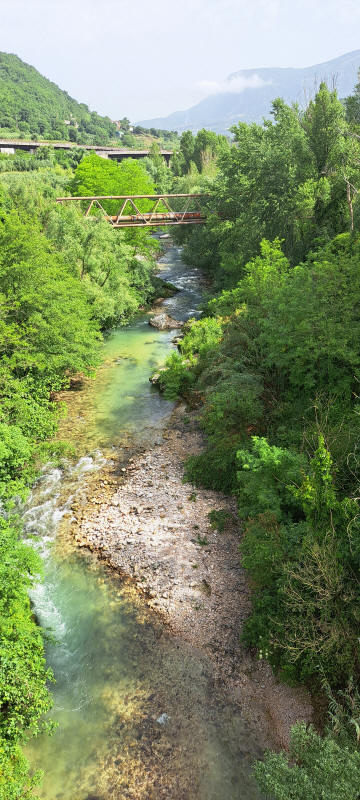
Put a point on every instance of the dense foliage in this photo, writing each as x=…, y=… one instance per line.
x=170, y=138
x=274, y=369
x=32, y=107
x=64, y=279
x=293, y=177
x=23, y=673
x=198, y=152
x=323, y=770
x=98, y=176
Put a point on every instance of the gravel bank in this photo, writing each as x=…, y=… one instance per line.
x=152, y=527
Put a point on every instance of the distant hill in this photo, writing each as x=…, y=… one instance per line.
x=31, y=106
x=248, y=94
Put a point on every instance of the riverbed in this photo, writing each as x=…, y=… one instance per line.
x=138, y=709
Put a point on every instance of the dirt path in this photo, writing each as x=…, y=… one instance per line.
x=156, y=530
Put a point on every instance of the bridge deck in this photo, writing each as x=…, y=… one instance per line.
x=163, y=220
x=109, y=151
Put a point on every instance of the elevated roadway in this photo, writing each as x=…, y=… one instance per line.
x=10, y=146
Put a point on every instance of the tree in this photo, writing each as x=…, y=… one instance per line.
x=352, y=105
x=181, y=164
x=99, y=176
x=129, y=140
x=208, y=147
x=158, y=170
x=258, y=189
x=124, y=124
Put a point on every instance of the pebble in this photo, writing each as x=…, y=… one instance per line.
x=165, y=544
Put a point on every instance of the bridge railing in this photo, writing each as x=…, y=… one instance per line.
x=144, y=209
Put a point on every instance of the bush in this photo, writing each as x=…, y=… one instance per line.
x=315, y=769
x=304, y=571
x=264, y=477
x=23, y=675
x=177, y=378
x=214, y=468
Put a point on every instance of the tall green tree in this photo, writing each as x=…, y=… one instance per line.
x=99, y=176
x=352, y=105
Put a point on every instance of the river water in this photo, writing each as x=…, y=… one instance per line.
x=137, y=713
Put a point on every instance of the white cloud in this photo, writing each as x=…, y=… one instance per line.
x=236, y=84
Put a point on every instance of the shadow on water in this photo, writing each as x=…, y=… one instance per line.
x=137, y=713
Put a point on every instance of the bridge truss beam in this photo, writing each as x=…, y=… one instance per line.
x=160, y=209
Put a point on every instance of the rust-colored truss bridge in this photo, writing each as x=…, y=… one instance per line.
x=161, y=209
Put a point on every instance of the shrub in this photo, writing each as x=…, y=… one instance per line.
x=264, y=477
x=315, y=769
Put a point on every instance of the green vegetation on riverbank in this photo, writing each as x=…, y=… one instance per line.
x=274, y=369
x=64, y=280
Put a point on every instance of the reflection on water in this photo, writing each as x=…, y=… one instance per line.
x=136, y=711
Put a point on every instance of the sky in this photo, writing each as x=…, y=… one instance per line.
x=148, y=58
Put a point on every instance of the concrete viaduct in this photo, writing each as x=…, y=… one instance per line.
x=10, y=146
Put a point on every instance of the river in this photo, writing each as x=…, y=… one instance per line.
x=137, y=713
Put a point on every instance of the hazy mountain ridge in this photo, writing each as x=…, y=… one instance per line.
x=219, y=111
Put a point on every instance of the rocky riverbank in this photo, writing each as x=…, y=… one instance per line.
x=153, y=528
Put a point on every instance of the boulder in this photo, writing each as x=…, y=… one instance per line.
x=155, y=378
x=165, y=323
x=177, y=339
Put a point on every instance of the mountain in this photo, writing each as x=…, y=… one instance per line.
x=31, y=106
x=248, y=94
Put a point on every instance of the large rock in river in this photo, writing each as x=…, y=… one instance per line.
x=155, y=378
x=165, y=323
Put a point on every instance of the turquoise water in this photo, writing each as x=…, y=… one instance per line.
x=121, y=404
x=136, y=710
